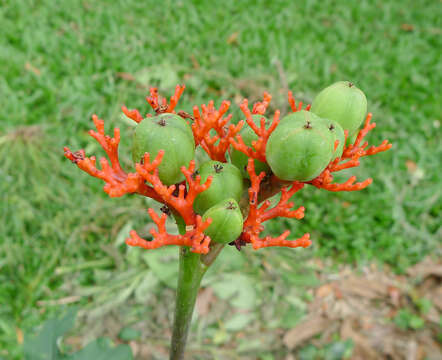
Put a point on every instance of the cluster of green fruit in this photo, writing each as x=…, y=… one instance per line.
x=303, y=144
x=171, y=133
x=299, y=149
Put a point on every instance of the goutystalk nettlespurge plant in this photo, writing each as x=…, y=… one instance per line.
x=209, y=203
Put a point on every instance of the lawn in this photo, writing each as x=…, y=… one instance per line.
x=61, y=237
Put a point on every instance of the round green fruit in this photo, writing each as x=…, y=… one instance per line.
x=300, y=148
x=337, y=132
x=168, y=132
x=300, y=119
x=227, y=183
x=227, y=221
x=342, y=102
x=239, y=159
x=333, y=127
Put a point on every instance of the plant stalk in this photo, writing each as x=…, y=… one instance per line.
x=191, y=271
x=192, y=268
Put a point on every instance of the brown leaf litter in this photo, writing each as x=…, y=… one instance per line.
x=363, y=307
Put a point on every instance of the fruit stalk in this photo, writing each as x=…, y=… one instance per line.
x=192, y=267
x=191, y=271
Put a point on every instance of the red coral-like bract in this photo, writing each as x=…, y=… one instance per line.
x=350, y=158
x=292, y=103
x=258, y=149
x=183, y=201
x=195, y=238
x=159, y=105
x=118, y=183
x=259, y=214
x=209, y=119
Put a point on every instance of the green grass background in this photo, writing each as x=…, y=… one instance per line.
x=61, y=61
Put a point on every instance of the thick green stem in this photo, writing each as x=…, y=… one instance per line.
x=192, y=268
x=191, y=272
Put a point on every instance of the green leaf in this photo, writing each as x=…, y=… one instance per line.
x=43, y=346
x=406, y=319
x=416, y=322
x=146, y=288
x=220, y=337
x=164, y=264
x=102, y=349
x=424, y=305
x=128, y=334
x=238, y=321
x=248, y=346
x=238, y=289
x=339, y=350
x=292, y=316
x=123, y=234
x=402, y=319
x=308, y=352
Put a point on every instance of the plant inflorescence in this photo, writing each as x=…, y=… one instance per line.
x=213, y=131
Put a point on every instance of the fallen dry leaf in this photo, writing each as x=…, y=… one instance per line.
x=324, y=290
x=436, y=297
x=134, y=347
x=395, y=295
x=346, y=204
x=411, y=166
x=233, y=38
x=362, y=347
x=196, y=65
x=125, y=76
x=32, y=68
x=19, y=334
x=204, y=300
x=62, y=301
x=407, y=27
x=363, y=287
x=425, y=269
x=305, y=330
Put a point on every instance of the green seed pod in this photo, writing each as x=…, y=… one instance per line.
x=300, y=119
x=168, y=132
x=227, y=221
x=300, y=148
x=227, y=183
x=337, y=133
x=240, y=159
x=342, y=102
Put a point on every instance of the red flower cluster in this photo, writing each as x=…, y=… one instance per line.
x=214, y=133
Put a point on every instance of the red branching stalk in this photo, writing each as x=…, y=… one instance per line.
x=195, y=238
x=160, y=105
x=133, y=114
x=258, y=214
x=292, y=103
x=350, y=158
x=260, y=107
x=259, y=146
x=118, y=182
x=181, y=202
x=209, y=119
